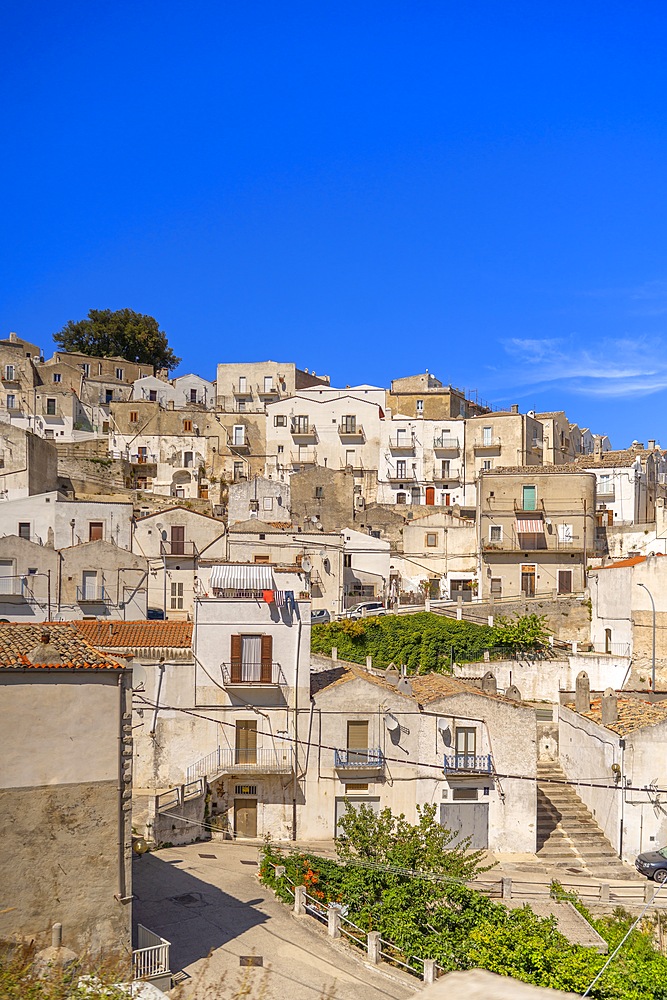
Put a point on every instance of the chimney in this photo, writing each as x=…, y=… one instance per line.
x=13, y=339
x=651, y=444
x=514, y=408
x=609, y=707
x=582, y=696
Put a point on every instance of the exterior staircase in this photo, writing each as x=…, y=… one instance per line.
x=568, y=836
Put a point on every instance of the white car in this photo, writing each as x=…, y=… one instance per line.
x=364, y=609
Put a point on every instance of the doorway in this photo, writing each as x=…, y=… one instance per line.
x=470, y=819
x=430, y=496
x=528, y=580
x=245, y=818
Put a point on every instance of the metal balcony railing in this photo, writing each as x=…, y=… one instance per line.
x=227, y=760
x=361, y=760
x=178, y=548
x=238, y=391
x=11, y=586
x=263, y=390
x=492, y=442
x=482, y=763
x=351, y=430
x=242, y=674
x=143, y=459
x=92, y=595
x=299, y=429
x=307, y=457
x=402, y=442
x=606, y=493
x=151, y=959
x=445, y=443
x=442, y=476
x=402, y=476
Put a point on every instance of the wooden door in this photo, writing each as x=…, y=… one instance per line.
x=246, y=741
x=528, y=580
x=470, y=819
x=245, y=817
x=564, y=581
x=178, y=539
x=266, y=660
x=430, y=496
x=357, y=740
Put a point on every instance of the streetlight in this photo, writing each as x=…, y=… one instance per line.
x=644, y=587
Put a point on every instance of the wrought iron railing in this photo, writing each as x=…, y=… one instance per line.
x=92, y=594
x=469, y=762
x=228, y=760
x=361, y=759
x=264, y=672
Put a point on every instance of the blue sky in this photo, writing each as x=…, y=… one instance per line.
x=368, y=189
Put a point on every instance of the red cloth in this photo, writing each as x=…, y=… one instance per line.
x=268, y=596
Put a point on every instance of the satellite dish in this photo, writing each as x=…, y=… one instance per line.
x=306, y=564
x=445, y=731
x=392, y=723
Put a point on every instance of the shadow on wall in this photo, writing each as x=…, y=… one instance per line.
x=194, y=916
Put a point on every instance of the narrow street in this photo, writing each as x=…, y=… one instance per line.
x=206, y=900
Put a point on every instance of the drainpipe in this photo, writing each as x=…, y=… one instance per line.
x=157, y=697
x=295, y=783
x=122, y=885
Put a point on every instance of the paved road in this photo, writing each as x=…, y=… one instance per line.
x=213, y=910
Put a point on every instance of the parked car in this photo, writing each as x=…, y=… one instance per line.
x=365, y=608
x=653, y=864
x=320, y=616
x=155, y=614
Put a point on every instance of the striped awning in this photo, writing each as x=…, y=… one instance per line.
x=241, y=576
x=533, y=526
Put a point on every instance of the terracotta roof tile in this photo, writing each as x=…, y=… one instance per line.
x=137, y=634
x=18, y=641
x=632, y=714
x=632, y=561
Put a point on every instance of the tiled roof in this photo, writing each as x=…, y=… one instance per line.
x=136, y=635
x=632, y=714
x=425, y=687
x=52, y=645
x=632, y=561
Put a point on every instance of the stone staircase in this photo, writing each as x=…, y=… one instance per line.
x=567, y=835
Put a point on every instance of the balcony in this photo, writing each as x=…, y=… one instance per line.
x=368, y=760
x=268, y=390
x=487, y=444
x=537, y=510
x=226, y=760
x=240, y=445
x=450, y=477
x=356, y=464
x=13, y=588
x=150, y=960
x=349, y=431
x=178, y=547
x=238, y=391
x=468, y=763
x=92, y=595
x=306, y=457
x=264, y=674
x=408, y=475
x=606, y=494
x=303, y=430
x=402, y=442
x=143, y=459
x=445, y=443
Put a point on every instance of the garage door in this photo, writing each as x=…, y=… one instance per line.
x=467, y=820
x=342, y=805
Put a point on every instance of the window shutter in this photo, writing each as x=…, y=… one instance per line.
x=267, y=657
x=357, y=735
x=235, y=659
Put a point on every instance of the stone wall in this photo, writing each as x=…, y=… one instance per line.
x=569, y=620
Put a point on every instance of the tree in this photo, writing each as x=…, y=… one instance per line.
x=122, y=333
x=523, y=632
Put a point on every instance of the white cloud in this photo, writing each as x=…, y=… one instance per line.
x=608, y=368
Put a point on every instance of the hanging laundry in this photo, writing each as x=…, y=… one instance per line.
x=290, y=603
x=279, y=597
x=268, y=596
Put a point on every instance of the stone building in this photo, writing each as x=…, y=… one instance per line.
x=28, y=463
x=426, y=396
x=536, y=530
x=439, y=551
x=266, y=500
x=501, y=440
x=66, y=788
x=184, y=391
x=627, y=484
x=622, y=613
x=400, y=743
x=324, y=499
x=248, y=387
x=54, y=520
x=421, y=462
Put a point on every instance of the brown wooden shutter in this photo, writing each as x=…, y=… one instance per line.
x=267, y=657
x=357, y=735
x=235, y=659
x=246, y=741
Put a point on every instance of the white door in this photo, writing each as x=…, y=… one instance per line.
x=89, y=584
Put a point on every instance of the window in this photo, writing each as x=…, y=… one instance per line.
x=465, y=794
x=281, y=449
x=85, y=368
x=268, y=383
x=120, y=374
x=246, y=737
x=420, y=407
x=11, y=401
x=238, y=435
x=351, y=789
x=193, y=395
x=108, y=395
x=152, y=395
x=238, y=471
x=300, y=425
x=89, y=590
x=400, y=498
x=24, y=530
x=357, y=740
x=57, y=376
x=444, y=468
x=529, y=497
x=487, y=436
x=187, y=459
x=487, y=464
x=347, y=560
x=431, y=539
x=251, y=658
x=496, y=533
x=319, y=492
x=267, y=503
x=134, y=416
x=240, y=405
x=401, y=437
x=415, y=495
x=254, y=505
x=187, y=427
x=95, y=531
x=177, y=539
x=466, y=741
x=51, y=407
x=9, y=373
x=243, y=383
x=261, y=559
x=401, y=468
x=176, y=598
x=348, y=424
x=496, y=586
x=280, y=420
x=564, y=581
